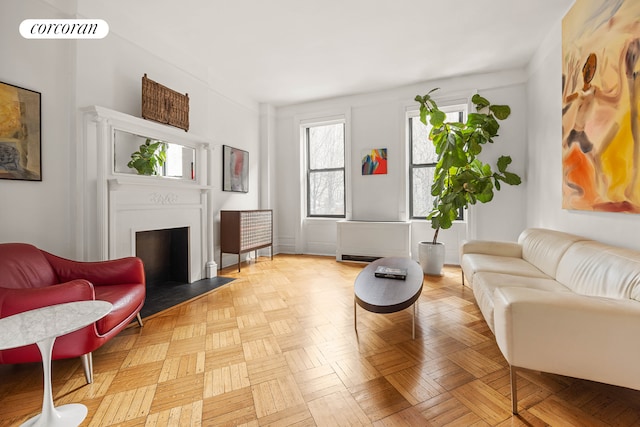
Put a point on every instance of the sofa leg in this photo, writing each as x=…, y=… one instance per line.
x=462, y=272
x=514, y=390
x=87, y=366
x=139, y=319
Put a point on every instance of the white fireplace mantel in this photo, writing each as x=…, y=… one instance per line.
x=113, y=206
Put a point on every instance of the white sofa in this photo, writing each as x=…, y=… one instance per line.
x=560, y=303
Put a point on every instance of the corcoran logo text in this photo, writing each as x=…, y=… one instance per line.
x=64, y=28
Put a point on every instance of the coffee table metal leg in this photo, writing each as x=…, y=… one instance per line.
x=355, y=316
x=413, y=330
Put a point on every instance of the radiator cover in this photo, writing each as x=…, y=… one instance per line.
x=365, y=241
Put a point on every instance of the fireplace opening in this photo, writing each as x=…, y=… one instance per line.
x=165, y=255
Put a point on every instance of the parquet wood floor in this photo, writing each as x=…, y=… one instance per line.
x=277, y=347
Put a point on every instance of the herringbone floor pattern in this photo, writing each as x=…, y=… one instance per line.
x=277, y=347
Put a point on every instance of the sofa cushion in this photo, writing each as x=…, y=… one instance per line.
x=490, y=247
x=486, y=283
x=475, y=263
x=544, y=248
x=595, y=269
x=23, y=266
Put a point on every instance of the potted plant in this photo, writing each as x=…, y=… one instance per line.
x=460, y=177
x=149, y=158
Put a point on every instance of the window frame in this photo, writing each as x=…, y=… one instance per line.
x=309, y=171
x=462, y=109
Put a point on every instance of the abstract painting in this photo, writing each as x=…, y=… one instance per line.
x=374, y=162
x=600, y=100
x=235, y=169
x=19, y=133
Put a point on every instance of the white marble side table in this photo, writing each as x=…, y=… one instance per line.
x=42, y=326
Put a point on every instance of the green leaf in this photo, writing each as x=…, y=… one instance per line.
x=423, y=114
x=445, y=222
x=437, y=118
x=149, y=158
x=474, y=147
x=437, y=187
x=452, y=141
x=501, y=111
x=512, y=178
x=476, y=119
x=486, y=196
x=439, y=140
x=435, y=222
x=503, y=163
x=480, y=102
x=491, y=126
x=456, y=126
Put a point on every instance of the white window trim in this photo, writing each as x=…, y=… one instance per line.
x=445, y=103
x=300, y=122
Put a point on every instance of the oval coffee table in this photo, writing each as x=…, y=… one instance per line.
x=382, y=295
x=41, y=326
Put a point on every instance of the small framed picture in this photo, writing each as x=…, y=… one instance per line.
x=19, y=133
x=374, y=161
x=235, y=169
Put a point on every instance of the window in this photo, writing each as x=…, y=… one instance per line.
x=173, y=164
x=325, y=150
x=422, y=161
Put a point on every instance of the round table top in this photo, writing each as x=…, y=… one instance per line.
x=33, y=326
x=382, y=295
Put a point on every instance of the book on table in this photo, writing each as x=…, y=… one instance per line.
x=391, y=272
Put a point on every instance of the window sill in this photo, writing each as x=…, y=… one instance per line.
x=322, y=219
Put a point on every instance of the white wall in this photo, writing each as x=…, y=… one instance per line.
x=108, y=72
x=378, y=121
x=544, y=173
x=40, y=212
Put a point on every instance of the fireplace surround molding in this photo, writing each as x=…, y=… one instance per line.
x=112, y=207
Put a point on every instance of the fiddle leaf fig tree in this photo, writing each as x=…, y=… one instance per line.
x=460, y=177
x=149, y=158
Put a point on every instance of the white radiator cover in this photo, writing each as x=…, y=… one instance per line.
x=363, y=240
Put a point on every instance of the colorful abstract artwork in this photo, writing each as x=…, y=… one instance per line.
x=235, y=169
x=19, y=133
x=600, y=100
x=374, y=162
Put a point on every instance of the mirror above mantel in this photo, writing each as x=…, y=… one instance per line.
x=119, y=137
x=179, y=160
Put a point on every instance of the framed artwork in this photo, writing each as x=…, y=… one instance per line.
x=374, y=161
x=235, y=169
x=600, y=106
x=20, y=149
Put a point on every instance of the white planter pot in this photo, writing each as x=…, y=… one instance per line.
x=431, y=258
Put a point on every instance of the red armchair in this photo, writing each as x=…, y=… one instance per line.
x=31, y=278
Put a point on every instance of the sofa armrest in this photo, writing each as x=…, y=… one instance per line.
x=13, y=301
x=488, y=247
x=569, y=334
x=111, y=272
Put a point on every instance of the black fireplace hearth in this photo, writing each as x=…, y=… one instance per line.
x=164, y=295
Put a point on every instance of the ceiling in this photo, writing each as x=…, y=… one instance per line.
x=284, y=52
